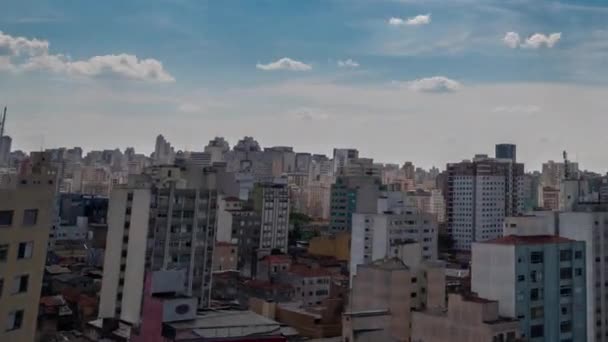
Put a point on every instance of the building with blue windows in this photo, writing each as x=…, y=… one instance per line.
x=539, y=280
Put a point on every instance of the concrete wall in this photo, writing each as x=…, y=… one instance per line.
x=337, y=246
x=493, y=275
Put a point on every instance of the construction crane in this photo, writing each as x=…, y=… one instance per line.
x=3, y=122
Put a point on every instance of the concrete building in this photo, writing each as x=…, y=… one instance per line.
x=381, y=299
x=539, y=280
x=311, y=285
x=554, y=172
x=350, y=195
x=379, y=235
x=550, y=198
x=26, y=215
x=216, y=149
x=587, y=223
x=467, y=318
x=341, y=158
x=334, y=245
x=162, y=220
x=163, y=151
x=480, y=194
x=225, y=256
x=271, y=201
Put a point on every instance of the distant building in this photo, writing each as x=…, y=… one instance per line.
x=225, y=256
x=539, y=280
x=271, y=201
x=341, y=158
x=26, y=216
x=506, y=151
x=550, y=198
x=352, y=195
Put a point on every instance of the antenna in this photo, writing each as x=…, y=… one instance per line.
x=3, y=122
x=566, y=166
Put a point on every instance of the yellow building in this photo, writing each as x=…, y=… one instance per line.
x=26, y=207
x=337, y=246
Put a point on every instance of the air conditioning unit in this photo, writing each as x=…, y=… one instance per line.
x=179, y=309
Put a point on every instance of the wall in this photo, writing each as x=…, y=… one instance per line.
x=337, y=246
x=493, y=275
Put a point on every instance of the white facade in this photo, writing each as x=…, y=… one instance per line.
x=124, y=264
x=376, y=236
x=275, y=216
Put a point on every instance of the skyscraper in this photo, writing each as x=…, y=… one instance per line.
x=271, y=201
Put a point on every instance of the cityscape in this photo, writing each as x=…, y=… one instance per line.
x=320, y=170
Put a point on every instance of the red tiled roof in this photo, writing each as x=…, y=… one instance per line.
x=528, y=240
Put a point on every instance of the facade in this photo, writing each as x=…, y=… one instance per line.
x=349, y=195
x=225, y=256
x=271, y=201
x=246, y=231
x=342, y=157
x=26, y=216
x=311, y=285
x=162, y=220
x=468, y=318
x=550, y=198
x=480, y=194
x=334, y=245
x=539, y=280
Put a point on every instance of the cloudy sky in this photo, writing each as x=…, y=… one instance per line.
x=430, y=81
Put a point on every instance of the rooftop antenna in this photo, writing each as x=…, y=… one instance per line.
x=566, y=166
x=3, y=122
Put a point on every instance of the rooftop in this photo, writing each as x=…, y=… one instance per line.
x=391, y=264
x=227, y=323
x=528, y=240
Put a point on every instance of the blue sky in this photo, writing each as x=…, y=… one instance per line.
x=436, y=83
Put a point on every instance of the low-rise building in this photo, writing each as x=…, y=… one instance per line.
x=467, y=318
x=311, y=285
x=225, y=256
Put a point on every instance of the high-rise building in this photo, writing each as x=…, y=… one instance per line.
x=5, y=150
x=540, y=280
x=554, y=172
x=26, y=216
x=342, y=157
x=216, y=148
x=506, y=151
x=480, y=193
x=350, y=195
x=163, y=219
x=163, y=151
x=271, y=201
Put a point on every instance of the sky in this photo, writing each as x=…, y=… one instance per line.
x=430, y=81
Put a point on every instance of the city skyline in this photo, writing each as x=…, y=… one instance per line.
x=433, y=81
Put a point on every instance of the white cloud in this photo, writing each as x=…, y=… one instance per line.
x=349, y=63
x=538, y=40
x=511, y=39
x=22, y=54
x=535, y=41
x=421, y=19
x=284, y=64
x=435, y=84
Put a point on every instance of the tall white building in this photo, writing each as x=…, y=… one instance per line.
x=480, y=194
x=163, y=151
x=163, y=219
x=341, y=158
x=378, y=235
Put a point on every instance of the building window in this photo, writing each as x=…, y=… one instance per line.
x=536, y=294
x=565, y=327
x=521, y=277
x=25, y=250
x=20, y=284
x=537, y=312
x=578, y=272
x=537, y=331
x=6, y=217
x=3, y=252
x=565, y=255
x=565, y=273
x=536, y=257
x=1, y=287
x=30, y=217
x=15, y=320
x=565, y=291
x=578, y=254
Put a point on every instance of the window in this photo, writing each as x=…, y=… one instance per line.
x=578, y=272
x=130, y=196
x=565, y=327
x=565, y=255
x=536, y=276
x=536, y=257
x=3, y=253
x=537, y=312
x=30, y=217
x=25, y=250
x=565, y=291
x=537, y=331
x=521, y=277
x=536, y=294
x=1, y=287
x=20, y=284
x=6, y=217
x=578, y=254
x=565, y=273
x=15, y=320
x=565, y=309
